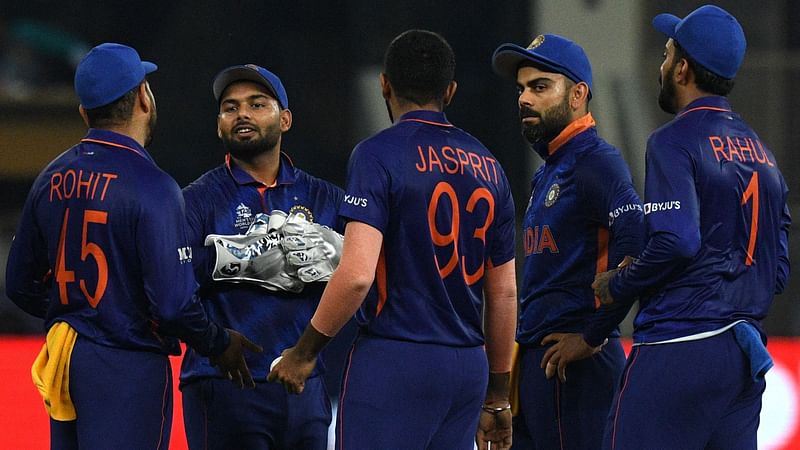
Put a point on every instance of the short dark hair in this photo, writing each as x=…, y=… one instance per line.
x=419, y=65
x=115, y=113
x=705, y=79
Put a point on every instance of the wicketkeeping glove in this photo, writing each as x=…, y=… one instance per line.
x=255, y=257
x=312, y=250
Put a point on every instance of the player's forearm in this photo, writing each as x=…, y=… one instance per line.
x=662, y=256
x=351, y=281
x=603, y=322
x=32, y=302
x=627, y=237
x=501, y=316
x=29, y=294
x=342, y=297
x=498, y=389
x=311, y=343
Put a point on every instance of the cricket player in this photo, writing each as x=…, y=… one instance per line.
x=257, y=177
x=716, y=254
x=101, y=254
x=431, y=223
x=583, y=217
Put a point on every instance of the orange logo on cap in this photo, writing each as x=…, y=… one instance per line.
x=537, y=41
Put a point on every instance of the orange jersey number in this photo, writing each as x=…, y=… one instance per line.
x=450, y=237
x=88, y=248
x=752, y=192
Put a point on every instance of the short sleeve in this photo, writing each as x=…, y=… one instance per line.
x=366, y=197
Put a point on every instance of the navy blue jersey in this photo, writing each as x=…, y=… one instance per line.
x=444, y=207
x=583, y=217
x=102, y=246
x=717, y=227
x=225, y=201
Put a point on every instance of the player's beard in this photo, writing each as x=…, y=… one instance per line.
x=249, y=149
x=666, y=95
x=389, y=110
x=151, y=125
x=552, y=122
x=151, y=121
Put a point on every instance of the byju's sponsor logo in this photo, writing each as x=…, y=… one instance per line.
x=661, y=206
x=355, y=201
x=622, y=210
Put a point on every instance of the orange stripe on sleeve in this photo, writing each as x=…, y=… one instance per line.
x=380, y=278
x=602, y=257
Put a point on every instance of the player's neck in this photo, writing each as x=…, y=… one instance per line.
x=687, y=95
x=262, y=167
x=138, y=134
x=398, y=110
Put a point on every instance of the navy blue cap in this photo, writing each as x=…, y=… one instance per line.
x=251, y=72
x=107, y=73
x=550, y=51
x=710, y=35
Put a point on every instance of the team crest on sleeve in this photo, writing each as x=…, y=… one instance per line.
x=302, y=211
x=552, y=195
x=244, y=217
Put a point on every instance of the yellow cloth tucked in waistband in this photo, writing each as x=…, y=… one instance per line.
x=514, y=382
x=50, y=371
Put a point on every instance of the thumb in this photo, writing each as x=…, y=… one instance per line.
x=250, y=345
x=552, y=337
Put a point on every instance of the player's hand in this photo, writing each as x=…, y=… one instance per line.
x=494, y=428
x=566, y=348
x=600, y=286
x=231, y=362
x=292, y=370
x=601, y=280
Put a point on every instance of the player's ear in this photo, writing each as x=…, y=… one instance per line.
x=143, y=98
x=82, y=112
x=286, y=120
x=450, y=92
x=683, y=73
x=386, y=87
x=579, y=95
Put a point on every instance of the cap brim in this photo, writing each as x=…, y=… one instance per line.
x=666, y=23
x=507, y=57
x=149, y=67
x=226, y=77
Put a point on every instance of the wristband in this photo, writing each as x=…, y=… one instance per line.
x=496, y=410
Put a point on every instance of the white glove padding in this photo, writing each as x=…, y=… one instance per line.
x=278, y=252
x=312, y=250
x=322, y=269
x=255, y=257
x=318, y=271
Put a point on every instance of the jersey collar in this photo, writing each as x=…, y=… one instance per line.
x=286, y=172
x=436, y=118
x=115, y=140
x=711, y=102
x=575, y=128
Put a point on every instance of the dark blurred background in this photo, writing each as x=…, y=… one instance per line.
x=328, y=55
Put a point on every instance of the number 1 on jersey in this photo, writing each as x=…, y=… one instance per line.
x=752, y=192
